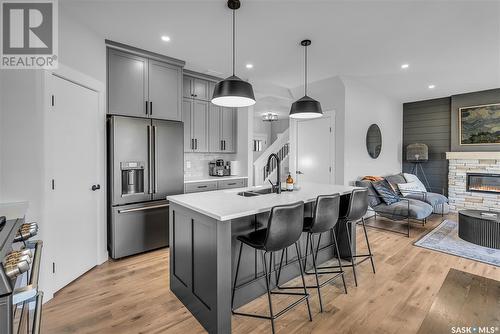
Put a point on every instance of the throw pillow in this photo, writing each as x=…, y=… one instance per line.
x=414, y=178
x=408, y=188
x=384, y=189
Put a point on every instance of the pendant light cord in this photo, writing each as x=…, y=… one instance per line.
x=305, y=70
x=233, y=40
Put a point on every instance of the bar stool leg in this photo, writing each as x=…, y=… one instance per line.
x=309, y=235
x=267, y=274
x=351, y=253
x=297, y=248
x=305, y=255
x=334, y=239
x=278, y=273
x=368, y=244
x=236, y=277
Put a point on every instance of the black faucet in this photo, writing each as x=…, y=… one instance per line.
x=276, y=187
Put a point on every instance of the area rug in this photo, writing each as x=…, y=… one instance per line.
x=444, y=238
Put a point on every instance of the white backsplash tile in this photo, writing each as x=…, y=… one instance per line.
x=196, y=164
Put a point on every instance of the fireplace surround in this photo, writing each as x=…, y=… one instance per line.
x=483, y=182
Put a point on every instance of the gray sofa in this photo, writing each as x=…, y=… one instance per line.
x=416, y=206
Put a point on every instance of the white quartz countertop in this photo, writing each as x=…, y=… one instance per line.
x=213, y=178
x=227, y=204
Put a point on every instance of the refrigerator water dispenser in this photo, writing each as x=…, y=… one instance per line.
x=132, y=177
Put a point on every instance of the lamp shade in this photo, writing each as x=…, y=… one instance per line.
x=306, y=108
x=417, y=152
x=233, y=92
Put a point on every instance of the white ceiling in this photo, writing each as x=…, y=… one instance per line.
x=452, y=44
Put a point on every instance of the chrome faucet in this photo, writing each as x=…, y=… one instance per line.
x=276, y=187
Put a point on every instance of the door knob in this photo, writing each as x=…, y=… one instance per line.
x=96, y=187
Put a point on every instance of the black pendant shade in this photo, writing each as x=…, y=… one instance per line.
x=232, y=91
x=305, y=107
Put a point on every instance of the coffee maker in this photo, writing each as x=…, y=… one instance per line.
x=219, y=168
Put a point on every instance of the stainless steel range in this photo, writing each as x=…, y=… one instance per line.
x=145, y=164
x=19, y=272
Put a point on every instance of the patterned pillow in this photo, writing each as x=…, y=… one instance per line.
x=408, y=188
x=414, y=178
x=385, y=190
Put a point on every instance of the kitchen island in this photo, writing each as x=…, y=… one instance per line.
x=203, y=246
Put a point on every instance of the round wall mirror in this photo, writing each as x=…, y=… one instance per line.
x=374, y=141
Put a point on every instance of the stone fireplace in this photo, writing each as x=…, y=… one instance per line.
x=474, y=180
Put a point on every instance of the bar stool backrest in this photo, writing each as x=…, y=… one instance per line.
x=326, y=213
x=284, y=226
x=358, y=204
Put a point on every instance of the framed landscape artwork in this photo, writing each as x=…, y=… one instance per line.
x=480, y=125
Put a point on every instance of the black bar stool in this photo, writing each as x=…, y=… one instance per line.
x=358, y=206
x=284, y=228
x=324, y=219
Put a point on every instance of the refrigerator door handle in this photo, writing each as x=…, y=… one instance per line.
x=142, y=208
x=155, y=158
x=150, y=157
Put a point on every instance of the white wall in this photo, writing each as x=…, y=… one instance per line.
x=278, y=127
x=365, y=106
x=81, y=48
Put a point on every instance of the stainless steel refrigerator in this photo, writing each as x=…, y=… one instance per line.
x=145, y=165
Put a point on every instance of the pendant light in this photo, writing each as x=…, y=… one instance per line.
x=306, y=107
x=233, y=92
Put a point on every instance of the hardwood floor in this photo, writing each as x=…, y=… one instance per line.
x=132, y=295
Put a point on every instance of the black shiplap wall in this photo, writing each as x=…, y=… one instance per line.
x=429, y=122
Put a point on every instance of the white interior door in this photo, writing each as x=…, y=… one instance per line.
x=314, y=150
x=73, y=126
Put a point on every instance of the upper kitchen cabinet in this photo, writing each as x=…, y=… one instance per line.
x=222, y=129
x=165, y=82
x=143, y=84
x=195, y=118
x=196, y=88
x=127, y=84
x=228, y=129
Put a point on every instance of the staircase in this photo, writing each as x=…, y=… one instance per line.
x=281, y=147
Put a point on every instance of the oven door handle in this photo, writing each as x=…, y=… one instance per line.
x=142, y=208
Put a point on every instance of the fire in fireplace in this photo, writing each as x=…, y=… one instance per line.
x=483, y=182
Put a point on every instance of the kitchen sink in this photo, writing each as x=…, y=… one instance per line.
x=252, y=193
x=247, y=194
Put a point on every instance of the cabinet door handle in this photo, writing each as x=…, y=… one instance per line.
x=224, y=144
x=192, y=143
x=151, y=107
x=221, y=147
x=196, y=143
x=200, y=187
x=146, y=107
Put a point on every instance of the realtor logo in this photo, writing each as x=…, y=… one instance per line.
x=29, y=34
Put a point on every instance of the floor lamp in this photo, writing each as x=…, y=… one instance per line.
x=417, y=154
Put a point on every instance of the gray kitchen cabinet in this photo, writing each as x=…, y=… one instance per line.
x=187, y=112
x=228, y=184
x=165, y=82
x=196, y=88
x=222, y=129
x=195, y=118
x=141, y=86
x=214, y=131
x=196, y=187
x=127, y=84
x=200, y=125
x=228, y=129
x=187, y=87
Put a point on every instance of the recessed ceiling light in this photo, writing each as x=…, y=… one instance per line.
x=432, y=86
x=249, y=66
x=405, y=66
x=165, y=38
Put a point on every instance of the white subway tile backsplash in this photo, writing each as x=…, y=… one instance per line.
x=196, y=164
